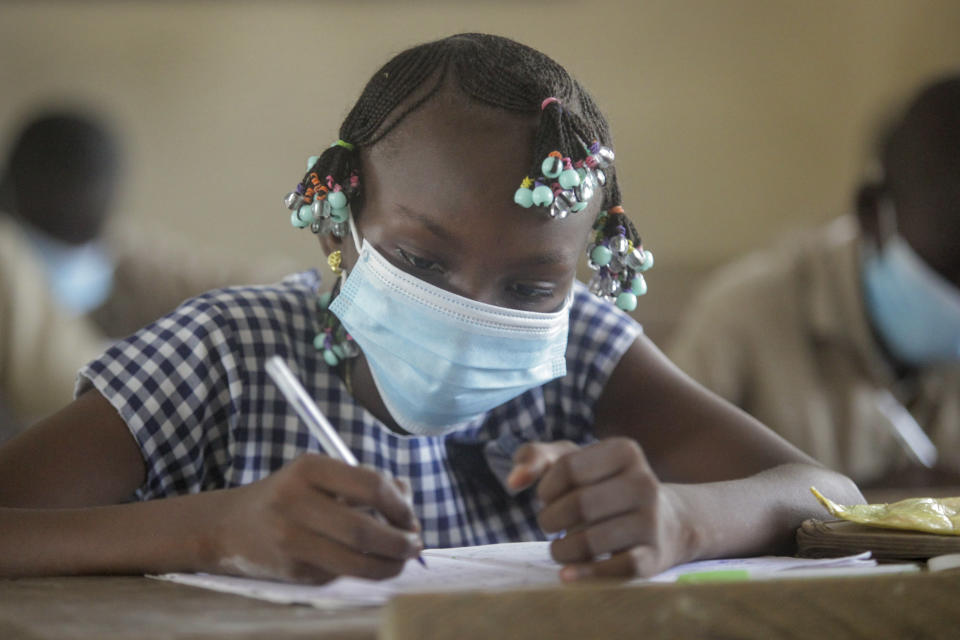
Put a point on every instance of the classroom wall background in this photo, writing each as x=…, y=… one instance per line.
x=735, y=121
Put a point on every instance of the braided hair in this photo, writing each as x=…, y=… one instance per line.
x=495, y=71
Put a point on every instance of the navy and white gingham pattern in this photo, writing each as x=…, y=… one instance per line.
x=193, y=392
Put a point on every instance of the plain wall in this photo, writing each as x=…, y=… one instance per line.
x=734, y=121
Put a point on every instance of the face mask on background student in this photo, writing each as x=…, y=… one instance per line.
x=439, y=359
x=80, y=276
x=914, y=309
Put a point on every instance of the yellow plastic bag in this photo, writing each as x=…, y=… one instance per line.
x=930, y=515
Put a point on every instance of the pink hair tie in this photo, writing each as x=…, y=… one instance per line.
x=546, y=103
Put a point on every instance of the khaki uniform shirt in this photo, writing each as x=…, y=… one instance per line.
x=784, y=335
x=41, y=346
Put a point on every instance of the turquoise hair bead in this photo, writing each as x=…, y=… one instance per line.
x=340, y=215
x=295, y=220
x=523, y=197
x=338, y=351
x=331, y=357
x=578, y=206
x=305, y=213
x=323, y=300
x=337, y=199
x=318, y=341
x=543, y=196
x=647, y=260
x=601, y=255
x=638, y=286
x=312, y=160
x=551, y=166
x=569, y=179
x=627, y=301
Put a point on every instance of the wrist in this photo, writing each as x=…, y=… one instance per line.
x=691, y=538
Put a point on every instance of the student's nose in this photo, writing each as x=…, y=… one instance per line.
x=476, y=284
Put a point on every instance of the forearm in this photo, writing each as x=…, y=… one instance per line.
x=755, y=515
x=146, y=537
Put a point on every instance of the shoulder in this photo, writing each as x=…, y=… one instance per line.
x=217, y=330
x=598, y=324
x=285, y=305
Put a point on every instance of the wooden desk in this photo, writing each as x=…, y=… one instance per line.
x=122, y=608
x=887, y=606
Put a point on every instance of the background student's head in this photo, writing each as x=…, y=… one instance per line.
x=919, y=186
x=910, y=216
x=60, y=175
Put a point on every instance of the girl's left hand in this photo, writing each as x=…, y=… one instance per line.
x=620, y=521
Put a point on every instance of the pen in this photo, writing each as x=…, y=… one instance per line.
x=310, y=413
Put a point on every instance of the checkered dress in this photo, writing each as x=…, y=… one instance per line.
x=193, y=392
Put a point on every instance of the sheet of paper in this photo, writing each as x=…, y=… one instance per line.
x=491, y=567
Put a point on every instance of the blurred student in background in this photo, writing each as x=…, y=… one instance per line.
x=68, y=261
x=847, y=340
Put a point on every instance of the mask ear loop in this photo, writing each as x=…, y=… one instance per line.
x=356, y=243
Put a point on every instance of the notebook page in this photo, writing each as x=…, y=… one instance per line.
x=489, y=567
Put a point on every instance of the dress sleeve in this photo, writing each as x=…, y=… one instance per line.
x=175, y=383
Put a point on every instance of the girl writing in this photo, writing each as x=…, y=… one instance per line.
x=488, y=396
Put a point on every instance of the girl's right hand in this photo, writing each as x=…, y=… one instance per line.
x=312, y=521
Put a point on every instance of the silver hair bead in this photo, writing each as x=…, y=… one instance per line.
x=292, y=200
x=601, y=176
x=605, y=157
x=317, y=209
x=562, y=204
x=596, y=285
x=619, y=245
x=559, y=209
x=611, y=286
x=634, y=259
x=339, y=229
x=350, y=348
x=316, y=227
x=615, y=263
x=585, y=190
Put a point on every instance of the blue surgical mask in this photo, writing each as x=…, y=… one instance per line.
x=914, y=309
x=439, y=359
x=80, y=276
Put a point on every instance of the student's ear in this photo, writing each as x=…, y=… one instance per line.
x=867, y=203
x=329, y=243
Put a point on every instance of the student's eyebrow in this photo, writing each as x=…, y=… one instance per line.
x=548, y=258
x=429, y=223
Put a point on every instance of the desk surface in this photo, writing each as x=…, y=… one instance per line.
x=114, y=608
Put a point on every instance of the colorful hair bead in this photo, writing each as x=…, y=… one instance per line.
x=337, y=198
x=627, y=301
x=601, y=255
x=542, y=195
x=569, y=178
x=524, y=194
x=552, y=165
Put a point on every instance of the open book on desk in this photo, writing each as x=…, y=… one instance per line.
x=509, y=566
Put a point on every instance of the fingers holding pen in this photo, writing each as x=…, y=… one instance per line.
x=360, y=486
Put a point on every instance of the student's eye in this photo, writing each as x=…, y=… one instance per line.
x=421, y=264
x=532, y=292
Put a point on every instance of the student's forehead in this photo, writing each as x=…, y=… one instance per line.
x=453, y=135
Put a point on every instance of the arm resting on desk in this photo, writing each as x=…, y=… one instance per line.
x=62, y=480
